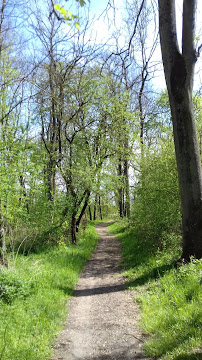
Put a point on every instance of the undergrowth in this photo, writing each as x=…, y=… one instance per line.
x=33, y=296
x=170, y=298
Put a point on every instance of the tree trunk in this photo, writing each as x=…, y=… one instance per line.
x=100, y=207
x=3, y=5
x=22, y=184
x=73, y=229
x=179, y=69
x=141, y=115
x=120, y=190
x=120, y=203
x=83, y=210
x=127, y=193
x=90, y=213
x=3, y=260
x=95, y=208
x=50, y=179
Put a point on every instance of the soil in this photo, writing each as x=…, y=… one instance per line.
x=102, y=321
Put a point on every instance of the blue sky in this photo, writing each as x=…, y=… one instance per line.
x=103, y=26
x=100, y=27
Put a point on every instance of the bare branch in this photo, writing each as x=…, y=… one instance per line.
x=198, y=52
x=136, y=23
x=126, y=51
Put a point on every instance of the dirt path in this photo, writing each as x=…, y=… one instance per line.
x=102, y=319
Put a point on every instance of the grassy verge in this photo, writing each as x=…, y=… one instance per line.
x=33, y=296
x=170, y=298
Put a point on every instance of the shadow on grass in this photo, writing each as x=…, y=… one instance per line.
x=154, y=274
x=144, y=263
x=139, y=259
x=66, y=290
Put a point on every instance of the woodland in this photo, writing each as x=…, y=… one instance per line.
x=86, y=135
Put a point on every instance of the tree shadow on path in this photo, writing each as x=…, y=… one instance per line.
x=99, y=290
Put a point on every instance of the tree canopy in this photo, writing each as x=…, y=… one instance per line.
x=84, y=131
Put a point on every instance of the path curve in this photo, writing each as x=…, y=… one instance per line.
x=102, y=317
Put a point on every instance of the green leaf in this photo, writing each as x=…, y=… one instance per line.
x=62, y=10
x=77, y=25
x=57, y=7
x=81, y=2
x=67, y=15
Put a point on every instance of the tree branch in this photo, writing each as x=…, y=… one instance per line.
x=136, y=23
x=198, y=52
x=126, y=51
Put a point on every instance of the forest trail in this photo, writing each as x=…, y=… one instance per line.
x=102, y=321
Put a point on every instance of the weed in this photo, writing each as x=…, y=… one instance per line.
x=12, y=287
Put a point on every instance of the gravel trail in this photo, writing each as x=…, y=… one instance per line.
x=102, y=321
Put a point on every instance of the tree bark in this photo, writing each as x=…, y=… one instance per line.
x=3, y=260
x=179, y=70
x=95, y=208
x=83, y=209
x=22, y=184
x=120, y=190
x=1, y=24
x=73, y=228
x=127, y=192
x=141, y=115
x=90, y=213
x=50, y=179
x=100, y=207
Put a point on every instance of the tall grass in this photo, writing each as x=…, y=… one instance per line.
x=171, y=299
x=33, y=296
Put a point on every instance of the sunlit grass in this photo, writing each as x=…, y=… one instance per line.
x=29, y=324
x=171, y=299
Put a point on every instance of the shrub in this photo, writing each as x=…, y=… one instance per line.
x=156, y=210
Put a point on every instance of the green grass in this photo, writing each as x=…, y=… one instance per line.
x=33, y=296
x=170, y=298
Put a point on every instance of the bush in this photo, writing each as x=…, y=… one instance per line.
x=156, y=210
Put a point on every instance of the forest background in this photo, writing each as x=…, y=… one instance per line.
x=81, y=118
x=85, y=129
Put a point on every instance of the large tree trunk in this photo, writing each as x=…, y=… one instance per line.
x=179, y=69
